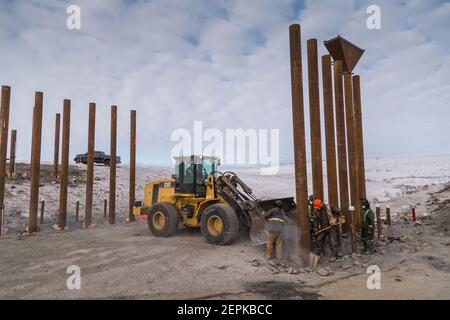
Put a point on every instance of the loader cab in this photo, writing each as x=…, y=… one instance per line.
x=191, y=173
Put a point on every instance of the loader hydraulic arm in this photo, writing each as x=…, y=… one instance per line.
x=240, y=196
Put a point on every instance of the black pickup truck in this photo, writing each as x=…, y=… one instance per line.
x=99, y=157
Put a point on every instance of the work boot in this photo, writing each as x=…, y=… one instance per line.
x=313, y=260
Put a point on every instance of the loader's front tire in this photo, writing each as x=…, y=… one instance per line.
x=163, y=219
x=220, y=224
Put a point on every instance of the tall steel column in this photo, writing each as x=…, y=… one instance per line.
x=314, y=113
x=90, y=166
x=35, y=166
x=352, y=228
x=301, y=183
x=64, y=165
x=341, y=143
x=330, y=139
x=112, y=167
x=132, y=164
x=4, y=131
x=12, y=153
x=352, y=163
x=56, y=148
x=359, y=138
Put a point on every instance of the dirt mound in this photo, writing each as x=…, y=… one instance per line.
x=22, y=173
x=441, y=220
x=440, y=209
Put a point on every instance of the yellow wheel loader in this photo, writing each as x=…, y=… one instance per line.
x=198, y=195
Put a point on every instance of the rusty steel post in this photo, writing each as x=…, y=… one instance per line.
x=90, y=166
x=4, y=131
x=2, y=219
x=12, y=154
x=378, y=215
x=388, y=216
x=56, y=147
x=330, y=138
x=132, y=165
x=314, y=113
x=77, y=211
x=359, y=138
x=301, y=182
x=42, y=211
x=112, y=167
x=64, y=165
x=351, y=211
x=35, y=162
x=352, y=163
x=105, y=208
x=341, y=143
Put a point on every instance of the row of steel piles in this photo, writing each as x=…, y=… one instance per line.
x=90, y=166
x=62, y=170
x=343, y=129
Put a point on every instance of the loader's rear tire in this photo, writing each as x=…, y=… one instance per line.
x=163, y=219
x=220, y=224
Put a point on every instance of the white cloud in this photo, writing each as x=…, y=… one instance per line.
x=224, y=62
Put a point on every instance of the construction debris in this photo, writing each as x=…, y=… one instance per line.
x=325, y=272
x=255, y=263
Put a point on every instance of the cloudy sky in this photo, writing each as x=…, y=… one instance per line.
x=223, y=62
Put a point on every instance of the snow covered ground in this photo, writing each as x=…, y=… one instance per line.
x=387, y=178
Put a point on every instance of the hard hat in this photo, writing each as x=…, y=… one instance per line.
x=365, y=202
x=317, y=203
x=279, y=203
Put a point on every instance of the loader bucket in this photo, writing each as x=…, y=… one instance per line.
x=258, y=230
x=288, y=204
